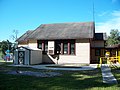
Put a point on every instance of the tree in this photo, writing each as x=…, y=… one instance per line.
x=15, y=34
x=114, y=37
x=14, y=37
x=6, y=45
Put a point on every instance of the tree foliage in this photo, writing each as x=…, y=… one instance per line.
x=114, y=37
x=5, y=45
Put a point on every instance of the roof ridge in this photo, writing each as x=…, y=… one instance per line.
x=67, y=23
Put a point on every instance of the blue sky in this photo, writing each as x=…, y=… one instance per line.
x=23, y=15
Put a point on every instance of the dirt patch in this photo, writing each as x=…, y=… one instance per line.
x=37, y=74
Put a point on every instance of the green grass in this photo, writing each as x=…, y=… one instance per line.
x=116, y=73
x=70, y=80
x=1, y=60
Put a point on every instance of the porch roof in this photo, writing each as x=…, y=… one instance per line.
x=113, y=46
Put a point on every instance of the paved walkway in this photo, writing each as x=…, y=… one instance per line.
x=108, y=77
x=90, y=67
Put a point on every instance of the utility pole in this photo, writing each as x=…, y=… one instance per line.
x=93, y=11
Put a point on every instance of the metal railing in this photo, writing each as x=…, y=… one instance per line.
x=109, y=60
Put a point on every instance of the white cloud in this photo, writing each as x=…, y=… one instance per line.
x=112, y=23
x=116, y=13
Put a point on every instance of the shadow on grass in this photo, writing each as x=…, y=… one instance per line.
x=116, y=73
x=79, y=81
x=70, y=80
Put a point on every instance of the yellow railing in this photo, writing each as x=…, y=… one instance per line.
x=119, y=59
x=102, y=59
x=109, y=60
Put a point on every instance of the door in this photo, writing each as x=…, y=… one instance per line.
x=21, y=55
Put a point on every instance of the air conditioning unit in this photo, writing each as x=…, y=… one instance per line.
x=51, y=47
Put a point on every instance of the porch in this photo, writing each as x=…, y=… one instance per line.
x=112, y=55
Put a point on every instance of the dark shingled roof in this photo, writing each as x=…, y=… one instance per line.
x=63, y=31
x=24, y=37
x=100, y=36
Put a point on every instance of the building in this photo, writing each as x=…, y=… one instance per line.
x=66, y=42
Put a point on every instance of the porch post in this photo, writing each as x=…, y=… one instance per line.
x=43, y=46
x=69, y=48
x=116, y=53
x=62, y=48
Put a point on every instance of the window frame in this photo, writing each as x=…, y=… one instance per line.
x=62, y=43
x=43, y=44
x=74, y=45
x=38, y=44
x=65, y=47
x=97, y=52
x=69, y=43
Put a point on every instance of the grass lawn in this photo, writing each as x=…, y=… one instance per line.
x=70, y=80
x=1, y=60
x=116, y=73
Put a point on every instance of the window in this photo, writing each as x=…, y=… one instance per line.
x=72, y=48
x=68, y=47
x=40, y=44
x=97, y=52
x=43, y=45
x=65, y=48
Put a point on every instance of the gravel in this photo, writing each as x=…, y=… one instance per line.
x=37, y=74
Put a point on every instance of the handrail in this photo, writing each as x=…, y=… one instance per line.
x=109, y=59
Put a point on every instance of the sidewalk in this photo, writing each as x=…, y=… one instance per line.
x=108, y=77
x=90, y=67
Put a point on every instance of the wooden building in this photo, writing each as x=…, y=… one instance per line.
x=66, y=42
